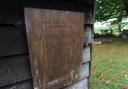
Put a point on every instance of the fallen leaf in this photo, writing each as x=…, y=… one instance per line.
x=107, y=82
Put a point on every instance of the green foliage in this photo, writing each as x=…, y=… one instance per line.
x=111, y=30
x=103, y=32
x=107, y=32
x=109, y=9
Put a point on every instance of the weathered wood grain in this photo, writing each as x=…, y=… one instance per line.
x=86, y=54
x=55, y=41
x=20, y=85
x=14, y=69
x=88, y=35
x=82, y=84
x=84, y=71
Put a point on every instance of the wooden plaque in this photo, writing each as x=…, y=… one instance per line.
x=55, y=41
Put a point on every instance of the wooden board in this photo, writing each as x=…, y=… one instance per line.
x=27, y=84
x=55, y=40
x=14, y=69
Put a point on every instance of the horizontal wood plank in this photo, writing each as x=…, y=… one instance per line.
x=88, y=35
x=21, y=85
x=14, y=69
x=84, y=71
x=86, y=54
x=12, y=41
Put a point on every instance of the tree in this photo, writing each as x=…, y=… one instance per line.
x=110, y=9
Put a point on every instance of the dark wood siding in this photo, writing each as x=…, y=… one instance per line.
x=15, y=70
x=12, y=41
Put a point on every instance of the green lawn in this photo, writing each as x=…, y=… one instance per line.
x=110, y=65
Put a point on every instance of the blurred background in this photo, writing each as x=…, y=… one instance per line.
x=110, y=46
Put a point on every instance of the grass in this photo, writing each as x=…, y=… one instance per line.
x=110, y=65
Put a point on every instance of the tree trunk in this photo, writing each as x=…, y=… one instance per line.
x=119, y=27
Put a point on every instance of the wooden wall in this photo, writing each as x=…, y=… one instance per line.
x=15, y=70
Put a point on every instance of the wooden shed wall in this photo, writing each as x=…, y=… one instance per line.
x=15, y=70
